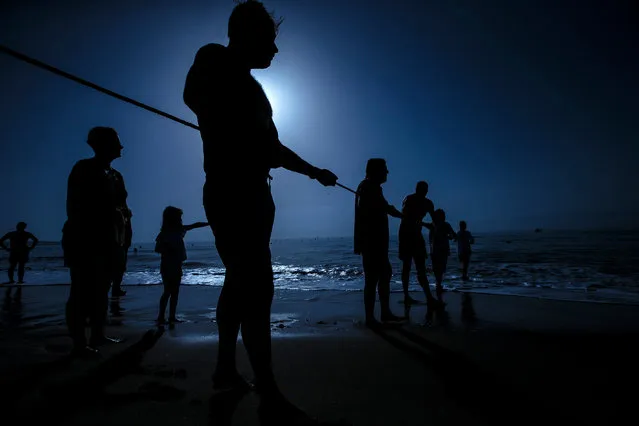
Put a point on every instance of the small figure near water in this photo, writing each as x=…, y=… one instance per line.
x=170, y=244
x=464, y=250
x=18, y=249
x=439, y=238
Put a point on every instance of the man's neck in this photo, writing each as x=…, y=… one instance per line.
x=237, y=53
x=103, y=162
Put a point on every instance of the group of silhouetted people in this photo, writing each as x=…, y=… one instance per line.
x=241, y=145
x=372, y=234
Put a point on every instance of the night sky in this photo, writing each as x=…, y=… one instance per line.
x=519, y=114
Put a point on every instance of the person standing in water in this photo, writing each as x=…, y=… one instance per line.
x=241, y=145
x=412, y=246
x=372, y=240
x=170, y=244
x=18, y=249
x=439, y=237
x=464, y=242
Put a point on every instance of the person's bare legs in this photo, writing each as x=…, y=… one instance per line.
x=383, y=288
x=228, y=321
x=371, y=280
x=406, y=265
x=422, y=278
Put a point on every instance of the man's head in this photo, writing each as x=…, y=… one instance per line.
x=462, y=225
x=105, y=143
x=440, y=216
x=376, y=170
x=421, y=188
x=21, y=226
x=252, y=31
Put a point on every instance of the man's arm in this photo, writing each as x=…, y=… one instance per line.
x=293, y=162
x=195, y=225
x=451, y=233
x=34, y=241
x=3, y=240
x=392, y=211
x=427, y=225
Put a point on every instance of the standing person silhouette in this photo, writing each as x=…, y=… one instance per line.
x=241, y=145
x=18, y=249
x=170, y=244
x=464, y=250
x=92, y=236
x=412, y=246
x=439, y=237
x=372, y=240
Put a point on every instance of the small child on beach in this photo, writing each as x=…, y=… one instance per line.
x=464, y=241
x=440, y=248
x=170, y=244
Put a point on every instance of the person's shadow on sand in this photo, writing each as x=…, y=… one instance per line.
x=434, y=316
x=223, y=405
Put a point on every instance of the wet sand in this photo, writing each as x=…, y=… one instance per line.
x=524, y=361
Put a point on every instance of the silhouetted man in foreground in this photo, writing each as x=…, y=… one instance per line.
x=241, y=145
x=95, y=231
x=412, y=246
x=372, y=239
x=18, y=249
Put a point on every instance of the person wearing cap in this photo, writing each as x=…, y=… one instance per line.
x=93, y=234
x=18, y=249
x=372, y=240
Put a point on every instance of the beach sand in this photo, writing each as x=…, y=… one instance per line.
x=524, y=360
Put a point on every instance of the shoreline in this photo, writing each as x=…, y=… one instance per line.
x=564, y=295
x=522, y=353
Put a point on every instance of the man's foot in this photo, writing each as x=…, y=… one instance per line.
x=434, y=303
x=118, y=293
x=410, y=301
x=161, y=321
x=103, y=340
x=389, y=317
x=174, y=320
x=85, y=352
x=224, y=382
x=373, y=323
x=20, y=281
